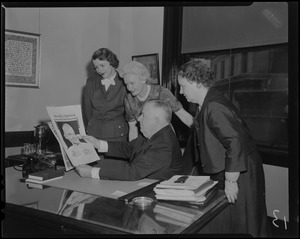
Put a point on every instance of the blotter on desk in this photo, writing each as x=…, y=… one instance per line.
x=105, y=188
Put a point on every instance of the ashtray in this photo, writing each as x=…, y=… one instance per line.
x=142, y=201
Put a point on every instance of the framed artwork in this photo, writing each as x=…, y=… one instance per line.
x=22, y=59
x=151, y=62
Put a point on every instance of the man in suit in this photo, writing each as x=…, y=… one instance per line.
x=156, y=154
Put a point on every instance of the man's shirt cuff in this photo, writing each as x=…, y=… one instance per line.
x=95, y=172
x=103, y=146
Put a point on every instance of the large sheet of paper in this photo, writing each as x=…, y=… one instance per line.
x=68, y=125
x=106, y=188
x=67, y=162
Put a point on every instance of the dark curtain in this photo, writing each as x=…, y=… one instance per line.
x=171, y=59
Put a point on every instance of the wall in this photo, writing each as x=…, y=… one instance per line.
x=277, y=192
x=136, y=31
x=69, y=36
x=68, y=39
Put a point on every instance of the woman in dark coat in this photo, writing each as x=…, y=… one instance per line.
x=104, y=99
x=226, y=150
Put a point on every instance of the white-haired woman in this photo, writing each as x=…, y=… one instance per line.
x=135, y=77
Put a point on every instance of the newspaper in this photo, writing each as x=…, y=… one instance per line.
x=68, y=126
x=67, y=162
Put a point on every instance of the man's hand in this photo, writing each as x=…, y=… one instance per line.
x=95, y=142
x=84, y=171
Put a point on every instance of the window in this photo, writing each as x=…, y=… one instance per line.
x=222, y=69
x=232, y=65
x=258, y=86
x=215, y=69
x=244, y=62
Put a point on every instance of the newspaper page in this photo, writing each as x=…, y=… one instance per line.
x=67, y=162
x=68, y=124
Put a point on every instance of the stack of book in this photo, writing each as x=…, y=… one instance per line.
x=175, y=214
x=38, y=179
x=193, y=189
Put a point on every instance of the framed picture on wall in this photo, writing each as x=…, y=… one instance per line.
x=22, y=59
x=151, y=62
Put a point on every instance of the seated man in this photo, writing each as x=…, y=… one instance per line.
x=156, y=154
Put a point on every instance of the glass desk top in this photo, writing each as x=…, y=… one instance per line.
x=160, y=217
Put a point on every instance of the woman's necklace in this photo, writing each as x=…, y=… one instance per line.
x=143, y=98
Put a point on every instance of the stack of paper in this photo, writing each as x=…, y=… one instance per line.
x=174, y=214
x=184, y=188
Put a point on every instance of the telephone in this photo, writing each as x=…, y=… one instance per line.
x=36, y=163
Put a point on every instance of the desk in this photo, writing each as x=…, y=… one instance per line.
x=37, y=212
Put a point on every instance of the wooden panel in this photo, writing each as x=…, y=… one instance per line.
x=18, y=138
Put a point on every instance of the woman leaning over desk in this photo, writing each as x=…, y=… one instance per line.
x=104, y=99
x=135, y=77
x=227, y=150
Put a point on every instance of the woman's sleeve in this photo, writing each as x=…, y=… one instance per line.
x=229, y=128
x=168, y=97
x=128, y=113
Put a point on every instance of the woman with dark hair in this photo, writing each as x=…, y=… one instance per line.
x=104, y=99
x=227, y=152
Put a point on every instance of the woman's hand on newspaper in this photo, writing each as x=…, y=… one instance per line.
x=95, y=142
x=84, y=171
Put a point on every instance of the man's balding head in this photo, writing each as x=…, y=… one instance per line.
x=156, y=114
